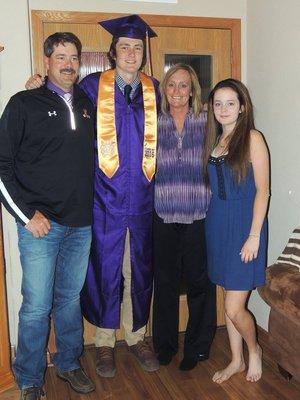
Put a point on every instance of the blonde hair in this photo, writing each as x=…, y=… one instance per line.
x=195, y=99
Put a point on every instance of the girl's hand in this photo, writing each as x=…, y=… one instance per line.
x=250, y=249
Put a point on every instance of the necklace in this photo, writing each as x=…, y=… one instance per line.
x=222, y=147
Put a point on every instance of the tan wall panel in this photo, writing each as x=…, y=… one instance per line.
x=6, y=376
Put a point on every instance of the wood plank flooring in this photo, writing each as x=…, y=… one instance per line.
x=169, y=383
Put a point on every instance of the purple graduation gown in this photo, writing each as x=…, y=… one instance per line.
x=121, y=202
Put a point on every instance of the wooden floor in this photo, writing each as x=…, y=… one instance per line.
x=169, y=383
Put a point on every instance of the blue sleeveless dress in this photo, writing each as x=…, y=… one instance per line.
x=228, y=224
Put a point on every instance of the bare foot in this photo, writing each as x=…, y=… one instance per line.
x=255, y=365
x=231, y=369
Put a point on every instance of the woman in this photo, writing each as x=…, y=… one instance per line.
x=237, y=162
x=181, y=201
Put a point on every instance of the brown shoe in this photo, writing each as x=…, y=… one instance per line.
x=32, y=393
x=105, y=365
x=78, y=380
x=145, y=356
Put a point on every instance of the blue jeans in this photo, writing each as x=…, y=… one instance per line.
x=54, y=269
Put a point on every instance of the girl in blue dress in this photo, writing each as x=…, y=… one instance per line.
x=237, y=164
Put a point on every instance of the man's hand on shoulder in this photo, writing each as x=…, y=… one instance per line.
x=34, y=82
x=39, y=225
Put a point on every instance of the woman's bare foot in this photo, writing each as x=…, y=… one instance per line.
x=255, y=365
x=231, y=369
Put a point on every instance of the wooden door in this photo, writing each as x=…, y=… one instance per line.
x=219, y=38
x=6, y=376
x=193, y=41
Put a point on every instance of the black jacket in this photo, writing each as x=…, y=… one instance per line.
x=46, y=165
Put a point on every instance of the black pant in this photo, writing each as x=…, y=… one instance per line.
x=181, y=248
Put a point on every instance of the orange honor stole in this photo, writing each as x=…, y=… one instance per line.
x=106, y=127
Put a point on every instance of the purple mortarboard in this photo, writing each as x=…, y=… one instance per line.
x=131, y=26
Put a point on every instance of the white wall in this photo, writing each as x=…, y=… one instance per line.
x=15, y=68
x=273, y=76
x=216, y=8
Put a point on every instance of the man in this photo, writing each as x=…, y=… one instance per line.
x=126, y=102
x=46, y=171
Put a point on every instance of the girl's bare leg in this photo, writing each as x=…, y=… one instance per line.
x=237, y=363
x=240, y=325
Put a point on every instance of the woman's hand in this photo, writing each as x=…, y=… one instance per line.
x=250, y=249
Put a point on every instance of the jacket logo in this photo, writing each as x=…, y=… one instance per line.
x=53, y=113
x=85, y=114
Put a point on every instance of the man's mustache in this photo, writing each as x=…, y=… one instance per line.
x=68, y=70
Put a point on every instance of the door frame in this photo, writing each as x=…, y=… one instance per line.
x=41, y=17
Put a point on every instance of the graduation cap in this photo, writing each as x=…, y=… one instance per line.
x=131, y=26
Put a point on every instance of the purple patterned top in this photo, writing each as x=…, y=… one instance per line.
x=181, y=195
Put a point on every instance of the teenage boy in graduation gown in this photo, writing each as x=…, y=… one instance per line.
x=126, y=102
